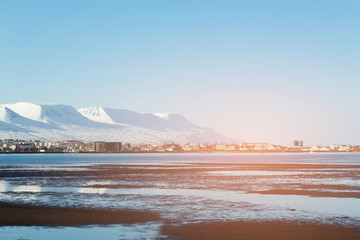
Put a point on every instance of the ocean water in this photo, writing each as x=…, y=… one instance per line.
x=143, y=158
x=183, y=188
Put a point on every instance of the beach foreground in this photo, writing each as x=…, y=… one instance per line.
x=20, y=215
x=261, y=230
x=28, y=215
x=181, y=201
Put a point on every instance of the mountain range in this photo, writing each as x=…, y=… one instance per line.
x=52, y=122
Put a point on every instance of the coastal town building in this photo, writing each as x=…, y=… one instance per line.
x=75, y=146
x=298, y=143
x=317, y=148
x=102, y=146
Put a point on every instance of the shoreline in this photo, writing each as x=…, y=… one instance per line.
x=203, y=152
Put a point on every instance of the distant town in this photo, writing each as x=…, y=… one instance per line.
x=74, y=146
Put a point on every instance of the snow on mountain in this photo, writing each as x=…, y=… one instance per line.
x=6, y=115
x=152, y=121
x=54, y=114
x=96, y=114
x=9, y=116
x=7, y=127
x=61, y=122
x=47, y=113
x=162, y=115
x=153, y=127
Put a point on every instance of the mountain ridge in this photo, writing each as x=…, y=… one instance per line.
x=147, y=120
x=64, y=122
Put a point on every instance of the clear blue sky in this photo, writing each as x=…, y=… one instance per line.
x=257, y=70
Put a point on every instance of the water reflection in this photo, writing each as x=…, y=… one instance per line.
x=197, y=191
x=121, y=232
x=92, y=183
x=5, y=186
x=255, y=173
x=27, y=188
x=304, y=205
x=89, y=190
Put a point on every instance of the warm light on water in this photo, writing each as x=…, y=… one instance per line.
x=186, y=188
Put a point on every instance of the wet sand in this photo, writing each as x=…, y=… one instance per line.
x=29, y=215
x=274, y=230
x=22, y=215
x=313, y=180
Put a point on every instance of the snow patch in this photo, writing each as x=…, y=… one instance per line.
x=54, y=114
x=29, y=110
x=164, y=116
x=96, y=114
x=7, y=115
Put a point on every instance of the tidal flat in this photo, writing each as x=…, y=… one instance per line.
x=186, y=198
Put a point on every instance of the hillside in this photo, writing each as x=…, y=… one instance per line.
x=62, y=122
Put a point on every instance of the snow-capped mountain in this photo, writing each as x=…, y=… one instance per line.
x=61, y=122
x=54, y=114
x=9, y=116
x=155, y=121
x=96, y=114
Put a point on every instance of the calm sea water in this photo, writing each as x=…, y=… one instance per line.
x=84, y=159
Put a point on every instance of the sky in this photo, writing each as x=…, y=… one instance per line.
x=255, y=70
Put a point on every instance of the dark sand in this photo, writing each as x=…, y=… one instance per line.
x=28, y=215
x=261, y=231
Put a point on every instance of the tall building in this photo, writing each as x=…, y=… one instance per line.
x=298, y=143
